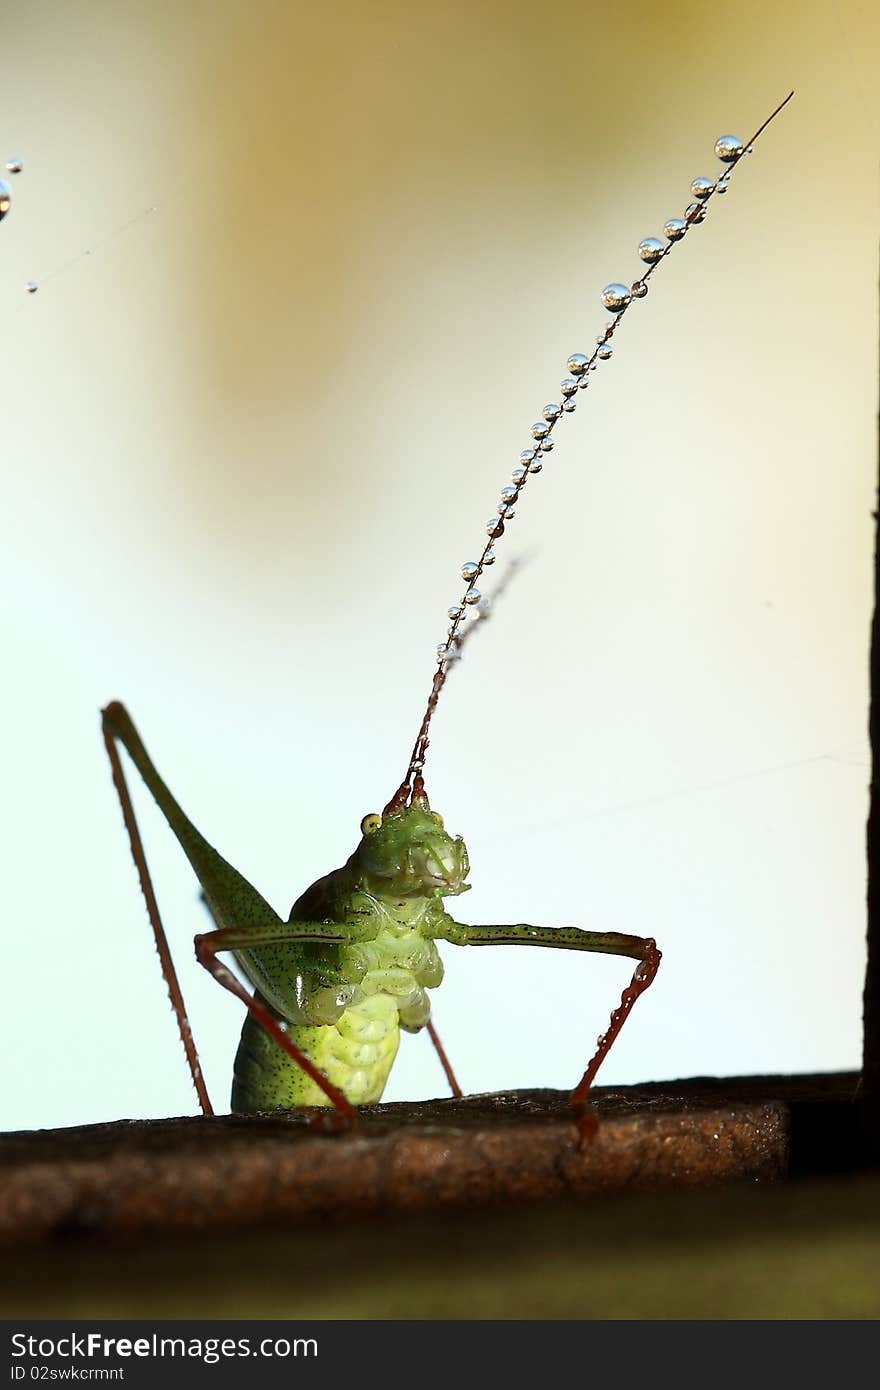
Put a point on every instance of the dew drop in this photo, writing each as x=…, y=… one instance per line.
x=14, y=166
x=547, y=445
x=540, y=429
x=472, y=596
x=605, y=351
x=5, y=198
x=455, y=611
x=615, y=297
x=489, y=557
x=519, y=473
x=494, y=527
x=509, y=493
x=536, y=466
x=552, y=411
x=569, y=386
x=728, y=148
x=31, y=286
x=576, y=364
x=651, y=249
x=469, y=570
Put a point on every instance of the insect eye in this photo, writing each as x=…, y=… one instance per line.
x=370, y=823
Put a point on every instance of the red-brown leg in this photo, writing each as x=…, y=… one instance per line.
x=165, y=960
x=227, y=939
x=444, y=1061
x=585, y=1115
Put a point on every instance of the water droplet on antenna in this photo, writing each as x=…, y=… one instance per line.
x=675, y=228
x=469, y=569
x=552, y=411
x=651, y=249
x=540, y=429
x=489, y=557
x=576, y=364
x=615, y=297
x=472, y=596
x=509, y=493
x=701, y=188
x=569, y=385
x=728, y=148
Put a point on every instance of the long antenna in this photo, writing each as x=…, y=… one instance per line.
x=617, y=299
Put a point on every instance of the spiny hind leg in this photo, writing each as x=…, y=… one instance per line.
x=164, y=951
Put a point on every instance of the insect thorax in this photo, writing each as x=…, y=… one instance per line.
x=343, y=1005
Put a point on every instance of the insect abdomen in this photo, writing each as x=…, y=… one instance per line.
x=355, y=1053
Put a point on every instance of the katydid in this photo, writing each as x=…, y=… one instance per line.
x=334, y=984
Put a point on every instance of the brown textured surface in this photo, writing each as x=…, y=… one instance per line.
x=207, y=1174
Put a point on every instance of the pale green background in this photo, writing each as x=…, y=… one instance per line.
x=248, y=440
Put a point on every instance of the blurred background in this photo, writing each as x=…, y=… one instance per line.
x=305, y=280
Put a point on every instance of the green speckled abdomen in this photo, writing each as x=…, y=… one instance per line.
x=343, y=1007
x=356, y=1053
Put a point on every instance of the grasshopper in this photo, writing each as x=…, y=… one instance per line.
x=334, y=984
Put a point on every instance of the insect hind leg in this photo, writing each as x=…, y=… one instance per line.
x=163, y=949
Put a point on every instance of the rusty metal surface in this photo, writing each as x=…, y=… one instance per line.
x=197, y=1174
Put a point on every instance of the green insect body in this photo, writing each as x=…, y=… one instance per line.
x=335, y=983
x=344, y=1006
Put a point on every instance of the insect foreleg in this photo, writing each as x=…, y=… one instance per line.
x=642, y=949
x=247, y=938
